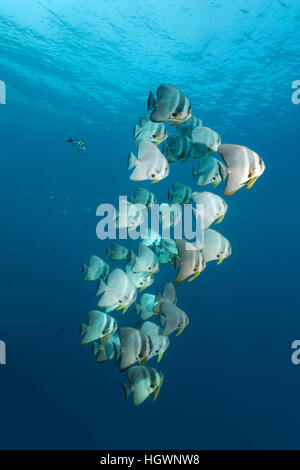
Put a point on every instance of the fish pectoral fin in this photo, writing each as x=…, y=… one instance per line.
x=251, y=182
x=216, y=183
x=175, y=123
x=124, y=310
x=179, y=331
x=220, y=260
x=154, y=181
x=160, y=357
x=156, y=394
x=142, y=288
x=121, y=307
x=194, y=277
x=220, y=219
x=148, y=274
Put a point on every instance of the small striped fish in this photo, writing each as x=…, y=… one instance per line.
x=78, y=144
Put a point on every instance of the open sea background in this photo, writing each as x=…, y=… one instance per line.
x=85, y=69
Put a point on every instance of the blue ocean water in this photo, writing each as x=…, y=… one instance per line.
x=85, y=69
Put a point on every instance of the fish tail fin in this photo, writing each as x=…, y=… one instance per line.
x=100, y=287
x=118, y=352
x=145, y=316
x=132, y=161
x=136, y=131
x=195, y=151
x=151, y=103
x=129, y=257
x=84, y=269
x=176, y=262
x=69, y=139
x=83, y=329
x=102, y=357
x=195, y=172
x=138, y=309
x=95, y=348
x=222, y=171
x=126, y=389
x=160, y=330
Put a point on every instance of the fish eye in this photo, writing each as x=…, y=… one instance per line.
x=153, y=136
x=153, y=175
x=218, y=256
x=140, y=356
x=174, y=114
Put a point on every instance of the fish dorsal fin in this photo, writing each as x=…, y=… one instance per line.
x=117, y=278
x=148, y=151
x=95, y=316
x=166, y=89
x=170, y=293
x=143, y=250
x=233, y=155
x=94, y=259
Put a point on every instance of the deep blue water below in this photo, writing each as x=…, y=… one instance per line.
x=85, y=69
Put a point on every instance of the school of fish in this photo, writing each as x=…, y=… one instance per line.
x=159, y=316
